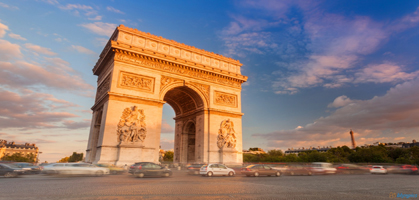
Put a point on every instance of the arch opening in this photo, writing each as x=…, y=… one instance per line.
x=185, y=102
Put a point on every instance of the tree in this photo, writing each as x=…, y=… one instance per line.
x=64, y=160
x=168, y=156
x=275, y=153
x=18, y=157
x=76, y=157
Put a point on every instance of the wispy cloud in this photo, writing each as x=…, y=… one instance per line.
x=9, y=51
x=385, y=116
x=166, y=128
x=100, y=28
x=8, y=6
x=112, y=9
x=97, y=18
x=39, y=49
x=81, y=49
x=3, y=29
x=16, y=36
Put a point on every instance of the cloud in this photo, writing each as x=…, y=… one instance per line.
x=52, y=2
x=39, y=49
x=81, y=49
x=97, y=18
x=23, y=74
x=384, y=73
x=340, y=102
x=31, y=110
x=16, y=36
x=40, y=141
x=317, y=49
x=100, y=28
x=75, y=6
x=9, y=51
x=167, y=144
x=390, y=116
x=69, y=124
x=8, y=6
x=166, y=128
x=3, y=29
x=112, y=9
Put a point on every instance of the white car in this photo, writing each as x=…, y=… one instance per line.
x=323, y=168
x=75, y=169
x=378, y=170
x=216, y=170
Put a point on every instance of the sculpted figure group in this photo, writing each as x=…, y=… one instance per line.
x=132, y=126
x=226, y=135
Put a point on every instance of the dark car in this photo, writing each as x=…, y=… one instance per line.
x=194, y=169
x=135, y=166
x=299, y=170
x=403, y=169
x=10, y=170
x=260, y=170
x=150, y=169
x=351, y=169
x=29, y=168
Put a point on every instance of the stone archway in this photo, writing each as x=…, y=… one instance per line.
x=138, y=73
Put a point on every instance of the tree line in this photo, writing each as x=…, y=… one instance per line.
x=372, y=154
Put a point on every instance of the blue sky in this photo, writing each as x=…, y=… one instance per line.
x=316, y=68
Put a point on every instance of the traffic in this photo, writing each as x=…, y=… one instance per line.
x=149, y=169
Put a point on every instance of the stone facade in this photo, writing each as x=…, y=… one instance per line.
x=139, y=72
x=10, y=148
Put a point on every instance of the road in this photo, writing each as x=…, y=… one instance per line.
x=183, y=186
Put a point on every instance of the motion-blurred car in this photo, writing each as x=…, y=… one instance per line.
x=29, y=168
x=260, y=170
x=151, y=169
x=378, y=170
x=136, y=166
x=9, y=170
x=298, y=170
x=351, y=169
x=215, y=170
x=75, y=169
x=112, y=168
x=403, y=169
x=194, y=169
x=322, y=168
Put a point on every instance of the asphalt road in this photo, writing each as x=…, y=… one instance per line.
x=183, y=186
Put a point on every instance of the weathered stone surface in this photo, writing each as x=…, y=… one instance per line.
x=137, y=74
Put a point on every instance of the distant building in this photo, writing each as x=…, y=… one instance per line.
x=409, y=145
x=12, y=148
x=255, y=150
x=299, y=150
x=389, y=144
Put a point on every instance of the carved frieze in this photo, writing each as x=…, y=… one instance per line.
x=205, y=89
x=132, y=126
x=165, y=80
x=225, y=99
x=136, y=82
x=104, y=87
x=226, y=135
x=175, y=68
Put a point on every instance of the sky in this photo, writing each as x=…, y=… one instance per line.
x=316, y=68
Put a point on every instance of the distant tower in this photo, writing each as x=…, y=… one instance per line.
x=353, y=139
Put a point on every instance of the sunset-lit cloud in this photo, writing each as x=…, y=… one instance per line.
x=39, y=49
x=396, y=111
x=100, y=28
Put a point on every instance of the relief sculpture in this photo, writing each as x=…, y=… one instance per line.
x=132, y=126
x=226, y=135
x=225, y=99
x=136, y=82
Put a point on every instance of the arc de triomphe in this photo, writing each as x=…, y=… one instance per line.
x=138, y=73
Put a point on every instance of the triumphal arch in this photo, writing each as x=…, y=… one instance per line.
x=139, y=72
